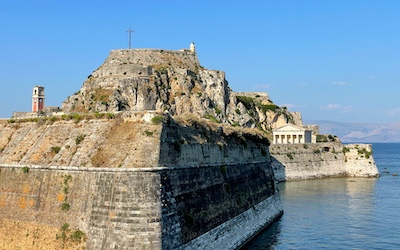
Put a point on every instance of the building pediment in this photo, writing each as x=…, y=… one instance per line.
x=289, y=128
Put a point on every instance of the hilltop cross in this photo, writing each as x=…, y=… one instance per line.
x=130, y=32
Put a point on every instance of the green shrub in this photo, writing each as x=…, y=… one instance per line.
x=317, y=151
x=290, y=156
x=99, y=115
x=266, y=107
x=322, y=138
x=365, y=152
x=79, y=139
x=248, y=102
x=67, y=179
x=156, y=120
x=65, y=206
x=65, y=227
x=217, y=111
x=64, y=230
x=110, y=115
x=76, y=117
x=345, y=150
x=55, y=150
x=148, y=133
x=77, y=236
x=25, y=169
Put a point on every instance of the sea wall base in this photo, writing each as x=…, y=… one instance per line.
x=236, y=232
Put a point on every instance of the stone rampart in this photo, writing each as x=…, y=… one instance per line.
x=320, y=160
x=143, y=208
x=135, y=184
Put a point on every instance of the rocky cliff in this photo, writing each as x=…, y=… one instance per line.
x=173, y=81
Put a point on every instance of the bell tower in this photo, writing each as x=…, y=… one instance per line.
x=37, y=99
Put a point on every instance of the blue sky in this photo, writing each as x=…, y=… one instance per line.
x=331, y=60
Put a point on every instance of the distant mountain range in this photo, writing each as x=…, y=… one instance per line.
x=360, y=132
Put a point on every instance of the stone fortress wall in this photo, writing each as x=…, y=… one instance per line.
x=185, y=187
x=321, y=160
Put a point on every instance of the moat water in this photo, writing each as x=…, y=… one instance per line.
x=340, y=213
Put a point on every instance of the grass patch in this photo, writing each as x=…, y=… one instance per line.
x=211, y=118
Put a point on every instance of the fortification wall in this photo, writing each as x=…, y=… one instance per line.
x=182, y=186
x=320, y=160
x=112, y=208
x=141, y=208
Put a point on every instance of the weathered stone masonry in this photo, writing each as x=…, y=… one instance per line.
x=139, y=208
x=199, y=189
x=321, y=160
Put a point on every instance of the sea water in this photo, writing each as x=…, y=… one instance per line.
x=340, y=213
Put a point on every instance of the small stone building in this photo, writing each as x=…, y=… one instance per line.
x=290, y=133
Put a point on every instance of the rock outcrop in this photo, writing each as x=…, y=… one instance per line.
x=173, y=81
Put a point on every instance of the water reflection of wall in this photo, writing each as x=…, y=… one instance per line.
x=322, y=211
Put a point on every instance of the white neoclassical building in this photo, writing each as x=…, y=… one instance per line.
x=290, y=133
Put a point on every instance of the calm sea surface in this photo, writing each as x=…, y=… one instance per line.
x=340, y=213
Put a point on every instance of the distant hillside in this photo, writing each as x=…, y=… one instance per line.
x=360, y=132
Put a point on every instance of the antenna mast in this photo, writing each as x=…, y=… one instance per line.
x=130, y=32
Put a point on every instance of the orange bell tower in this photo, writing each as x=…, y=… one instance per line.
x=37, y=99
